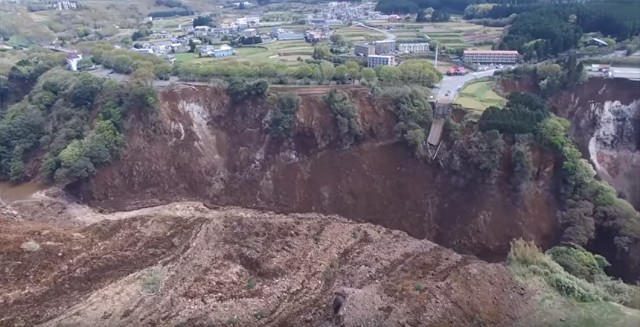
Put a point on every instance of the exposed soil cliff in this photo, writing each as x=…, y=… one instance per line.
x=605, y=123
x=605, y=116
x=184, y=264
x=203, y=148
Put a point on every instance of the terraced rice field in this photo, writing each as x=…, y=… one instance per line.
x=455, y=34
x=479, y=96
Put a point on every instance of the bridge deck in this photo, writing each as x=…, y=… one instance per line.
x=435, y=133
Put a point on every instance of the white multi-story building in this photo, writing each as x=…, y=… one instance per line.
x=374, y=61
x=385, y=46
x=413, y=47
x=491, y=56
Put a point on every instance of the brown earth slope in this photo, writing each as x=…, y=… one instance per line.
x=183, y=264
x=203, y=148
x=605, y=123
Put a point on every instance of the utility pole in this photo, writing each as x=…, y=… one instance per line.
x=436, y=63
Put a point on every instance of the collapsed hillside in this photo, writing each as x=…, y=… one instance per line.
x=605, y=116
x=205, y=147
x=606, y=127
x=184, y=264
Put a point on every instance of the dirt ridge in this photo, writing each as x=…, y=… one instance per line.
x=233, y=266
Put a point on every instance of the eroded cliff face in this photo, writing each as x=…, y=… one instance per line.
x=605, y=116
x=202, y=147
x=605, y=123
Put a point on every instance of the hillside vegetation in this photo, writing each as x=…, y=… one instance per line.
x=67, y=125
x=573, y=289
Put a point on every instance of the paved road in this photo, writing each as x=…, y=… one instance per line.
x=621, y=72
x=450, y=84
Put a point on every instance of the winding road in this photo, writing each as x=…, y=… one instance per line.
x=388, y=35
x=451, y=84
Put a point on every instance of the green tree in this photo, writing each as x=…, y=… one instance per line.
x=144, y=73
x=369, y=74
x=123, y=64
x=321, y=52
x=341, y=73
x=338, y=40
x=202, y=21
x=327, y=71
x=5, y=91
x=85, y=63
x=345, y=114
x=162, y=71
x=283, y=116
x=522, y=162
x=75, y=165
x=84, y=91
x=388, y=74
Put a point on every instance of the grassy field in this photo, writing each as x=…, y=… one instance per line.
x=601, y=314
x=282, y=51
x=479, y=96
x=172, y=23
x=360, y=34
x=553, y=310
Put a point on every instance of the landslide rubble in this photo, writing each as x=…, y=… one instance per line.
x=205, y=147
x=183, y=264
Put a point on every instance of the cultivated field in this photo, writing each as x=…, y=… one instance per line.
x=360, y=34
x=479, y=96
x=283, y=51
x=454, y=34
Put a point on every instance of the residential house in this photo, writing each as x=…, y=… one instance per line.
x=249, y=32
x=275, y=31
x=147, y=51
x=169, y=58
x=317, y=35
x=597, y=42
x=200, y=31
x=179, y=48
x=315, y=22
x=222, y=51
x=219, y=31
x=247, y=22
x=161, y=47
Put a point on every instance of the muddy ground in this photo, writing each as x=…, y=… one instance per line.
x=184, y=264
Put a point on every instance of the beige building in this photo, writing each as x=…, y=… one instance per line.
x=413, y=47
